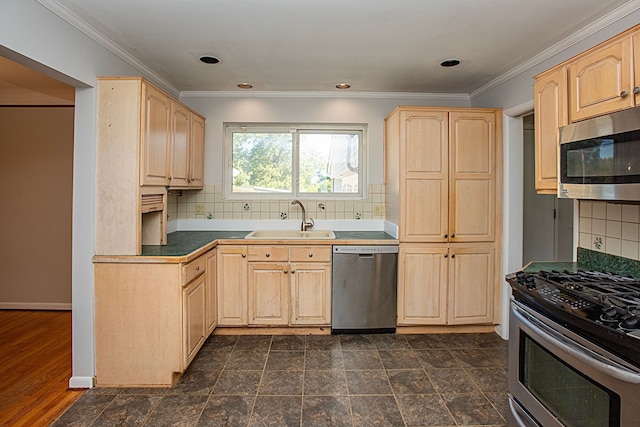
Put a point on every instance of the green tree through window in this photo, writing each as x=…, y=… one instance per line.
x=295, y=161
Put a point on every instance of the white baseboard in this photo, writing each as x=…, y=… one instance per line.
x=81, y=382
x=35, y=306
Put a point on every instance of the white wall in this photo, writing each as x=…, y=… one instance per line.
x=32, y=35
x=36, y=164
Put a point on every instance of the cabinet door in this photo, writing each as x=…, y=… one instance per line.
x=196, y=155
x=180, y=129
x=268, y=293
x=156, y=132
x=232, y=285
x=211, y=306
x=471, y=285
x=600, y=81
x=551, y=112
x=193, y=309
x=636, y=67
x=310, y=294
x=472, y=187
x=422, y=285
x=425, y=182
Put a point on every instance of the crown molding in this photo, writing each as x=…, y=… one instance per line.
x=108, y=44
x=323, y=94
x=576, y=37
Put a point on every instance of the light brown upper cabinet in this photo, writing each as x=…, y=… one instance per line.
x=601, y=80
x=598, y=81
x=441, y=171
x=187, y=149
x=551, y=112
x=156, y=139
x=181, y=128
x=146, y=141
x=196, y=152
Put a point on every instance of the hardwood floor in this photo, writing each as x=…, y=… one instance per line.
x=35, y=367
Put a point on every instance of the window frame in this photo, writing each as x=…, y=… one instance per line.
x=229, y=128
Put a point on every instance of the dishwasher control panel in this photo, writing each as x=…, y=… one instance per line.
x=382, y=249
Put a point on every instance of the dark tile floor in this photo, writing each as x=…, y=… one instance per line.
x=319, y=380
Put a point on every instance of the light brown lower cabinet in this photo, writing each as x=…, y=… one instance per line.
x=310, y=294
x=260, y=285
x=268, y=293
x=150, y=319
x=194, y=314
x=212, y=297
x=447, y=284
x=232, y=285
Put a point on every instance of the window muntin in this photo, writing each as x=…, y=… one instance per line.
x=279, y=162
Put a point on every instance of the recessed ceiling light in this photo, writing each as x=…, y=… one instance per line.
x=207, y=59
x=245, y=85
x=343, y=85
x=450, y=62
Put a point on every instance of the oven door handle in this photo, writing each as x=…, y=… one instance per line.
x=519, y=416
x=556, y=339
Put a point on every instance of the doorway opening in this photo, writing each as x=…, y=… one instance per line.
x=547, y=220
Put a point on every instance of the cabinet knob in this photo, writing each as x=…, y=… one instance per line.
x=453, y=235
x=267, y=255
x=286, y=271
x=310, y=255
x=293, y=272
x=198, y=268
x=624, y=94
x=636, y=90
x=453, y=255
x=244, y=255
x=446, y=235
x=446, y=255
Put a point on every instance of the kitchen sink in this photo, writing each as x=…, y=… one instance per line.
x=290, y=234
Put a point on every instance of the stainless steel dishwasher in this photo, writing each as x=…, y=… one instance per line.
x=364, y=293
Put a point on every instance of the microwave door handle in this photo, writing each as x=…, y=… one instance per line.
x=620, y=373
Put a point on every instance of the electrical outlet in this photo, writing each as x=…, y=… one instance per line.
x=199, y=208
x=378, y=210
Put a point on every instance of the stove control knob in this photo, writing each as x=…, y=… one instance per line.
x=530, y=283
x=609, y=314
x=630, y=322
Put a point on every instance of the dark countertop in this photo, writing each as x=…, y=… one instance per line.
x=182, y=243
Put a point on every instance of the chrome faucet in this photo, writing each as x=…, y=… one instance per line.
x=305, y=224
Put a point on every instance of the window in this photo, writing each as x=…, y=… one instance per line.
x=283, y=161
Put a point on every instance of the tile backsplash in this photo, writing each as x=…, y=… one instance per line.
x=611, y=228
x=209, y=204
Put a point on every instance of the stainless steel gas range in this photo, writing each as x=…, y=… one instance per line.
x=574, y=349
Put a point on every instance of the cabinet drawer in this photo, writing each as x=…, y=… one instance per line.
x=193, y=269
x=310, y=253
x=268, y=253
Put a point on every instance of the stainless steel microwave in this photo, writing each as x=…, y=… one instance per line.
x=599, y=158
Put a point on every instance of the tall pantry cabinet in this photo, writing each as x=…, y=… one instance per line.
x=443, y=174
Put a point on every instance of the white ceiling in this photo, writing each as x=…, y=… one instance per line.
x=310, y=45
